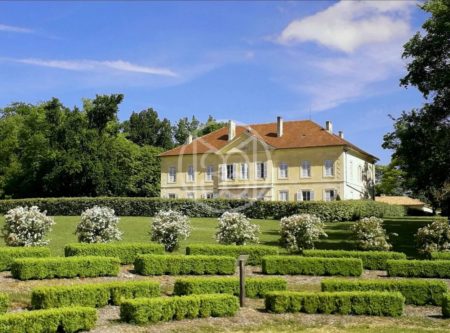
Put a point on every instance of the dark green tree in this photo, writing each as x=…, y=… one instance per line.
x=390, y=180
x=211, y=125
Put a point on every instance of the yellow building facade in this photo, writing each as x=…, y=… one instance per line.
x=285, y=161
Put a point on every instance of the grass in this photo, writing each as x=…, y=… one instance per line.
x=136, y=229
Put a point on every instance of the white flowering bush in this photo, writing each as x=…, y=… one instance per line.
x=236, y=228
x=169, y=227
x=299, y=232
x=434, y=237
x=370, y=235
x=26, y=227
x=98, y=225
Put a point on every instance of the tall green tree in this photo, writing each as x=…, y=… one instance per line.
x=390, y=180
x=421, y=137
x=211, y=125
x=184, y=127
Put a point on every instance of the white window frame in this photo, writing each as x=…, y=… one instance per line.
x=300, y=196
x=190, y=195
x=244, y=171
x=283, y=168
x=190, y=174
x=209, y=195
x=303, y=169
x=171, y=195
x=327, y=167
x=233, y=172
x=258, y=172
x=209, y=173
x=172, y=176
x=330, y=190
x=284, y=192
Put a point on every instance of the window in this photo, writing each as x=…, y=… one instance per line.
x=329, y=168
x=209, y=195
x=283, y=195
x=361, y=174
x=191, y=195
x=330, y=195
x=230, y=171
x=191, y=174
x=306, y=169
x=244, y=171
x=172, y=175
x=283, y=170
x=172, y=196
x=305, y=195
x=261, y=170
x=209, y=173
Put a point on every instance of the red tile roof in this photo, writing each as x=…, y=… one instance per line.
x=296, y=134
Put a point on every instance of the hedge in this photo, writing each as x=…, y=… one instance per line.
x=92, y=295
x=419, y=268
x=350, y=210
x=415, y=291
x=254, y=287
x=144, y=310
x=446, y=305
x=374, y=303
x=154, y=264
x=440, y=255
x=311, y=266
x=68, y=320
x=8, y=254
x=255, y=252
x=370, y=259
x=4, y=302
x=126, y=252
x=56, y=267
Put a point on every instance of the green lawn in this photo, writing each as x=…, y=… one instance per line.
x=136, y=229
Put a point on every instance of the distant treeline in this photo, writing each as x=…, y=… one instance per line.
x=48, y=149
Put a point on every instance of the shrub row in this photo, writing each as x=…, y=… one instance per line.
x=92, y=295
x=370, y=259
x=254, y=287
x=255, y=252
x=311, y=266
x=154, y=264
x=4, y=302
x=446, y=305
x=144, y=310
x=8, y=254
x=68, y=320
x=419, y=268
x=440, y=255
x=415, y=291
x=351, y=210
x=374, y=303
x=126, y=252
x=49, y=268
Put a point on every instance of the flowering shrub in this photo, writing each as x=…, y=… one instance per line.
x=98, y=225
x=26, y=227
x=300, y=231
x=434, y=237
x=169, y=227
x=370, y=235
x=236, y=228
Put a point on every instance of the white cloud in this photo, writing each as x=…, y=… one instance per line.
x=349, y=25
x=11, y=28
x=95, y=65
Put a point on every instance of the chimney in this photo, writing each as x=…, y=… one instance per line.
x=279, y=127
x=341, y=134
x=329, y=127
x=231, y=130
x=189, y=139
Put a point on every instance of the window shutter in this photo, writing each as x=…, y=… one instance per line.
x=258, y=170
x=299, y=196
x=223, y=171
x=265, y=170
x=312, y=195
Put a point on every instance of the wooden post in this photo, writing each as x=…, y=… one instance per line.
x=242, y=259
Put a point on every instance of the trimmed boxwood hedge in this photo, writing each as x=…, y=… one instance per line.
x=370, y=259
x=8, y=254
x=350, y=210
x=255, y=252
x=126, y=252
x=374, y=303
x=60, y=267
x=68, y=320
x=446, y=305
x=4, y=302
x=440, y=255
x=419, y=268
x=92, y=295
x=254, y=287
x=416, y=291
x=144, y=310
x=154, y=264
x=297, y=265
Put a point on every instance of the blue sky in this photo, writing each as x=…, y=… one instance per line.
x=248, y=61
